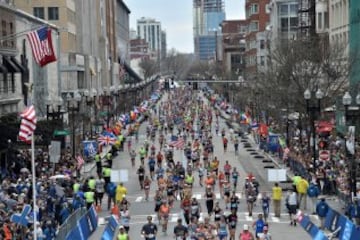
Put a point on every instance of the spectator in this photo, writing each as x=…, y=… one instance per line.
x=291, y=204
x=302, y=187
x=313, y=193
x=322, y=209
x=276, y=196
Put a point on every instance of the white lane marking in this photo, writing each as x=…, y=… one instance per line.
x=275, y=219
x=218, y=196
x=248, y=218
x=138, y=199
x=174, y=217
x=197, y=196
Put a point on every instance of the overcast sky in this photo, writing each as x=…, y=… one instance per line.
x=176, y=18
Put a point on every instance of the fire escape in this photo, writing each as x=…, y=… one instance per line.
x=307, y=24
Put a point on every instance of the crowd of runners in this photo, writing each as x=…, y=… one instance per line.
x=185, y=123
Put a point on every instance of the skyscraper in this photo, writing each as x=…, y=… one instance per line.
x=207, y=16
x=150, y=30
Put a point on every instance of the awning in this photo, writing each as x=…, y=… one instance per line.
x=12, y=68
x=132, y=73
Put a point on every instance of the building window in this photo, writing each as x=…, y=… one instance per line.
x=254, y=26
x=39, y=12
x=284, y=24
x=262, y=60
x=262, y=44
x=53, y=13
x=284, y=10
x=326, y=20
x=3, y=33
x=294, y=8
x=254, y=9
x=294, y=23
x=320, y=25
x=11, y=41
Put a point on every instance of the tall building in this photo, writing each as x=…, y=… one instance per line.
x=207, y=16
x=339, y=20
x=150, y=30
x=257, y=16
x=233, y=46
x=354, y=39
x=283, y=20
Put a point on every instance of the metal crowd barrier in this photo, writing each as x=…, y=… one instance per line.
x=69, y=223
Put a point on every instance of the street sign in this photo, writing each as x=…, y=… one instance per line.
x=119, y=175
x=324, y=155
x=55, y=151
x=276, y=175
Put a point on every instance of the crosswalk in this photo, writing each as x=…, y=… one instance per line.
x=198, y=196
x=242, y=217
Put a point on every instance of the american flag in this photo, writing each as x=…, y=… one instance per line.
x=80, y=161
x=106, y=140
x=28, y=124
x=41, y=45
x=177, y=142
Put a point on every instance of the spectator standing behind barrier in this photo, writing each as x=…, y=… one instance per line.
x=354, y=211
x=313, y=192
x=322, y=209
x=276, y=196
x=301, y=188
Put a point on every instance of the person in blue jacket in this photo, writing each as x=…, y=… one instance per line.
x=313, y=192
x=111, y=191
x=322, y=209
x=354, y=211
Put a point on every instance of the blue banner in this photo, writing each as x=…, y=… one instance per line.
x=273, y=143
x=90, y=148
x=110, y=228
x=85, y=226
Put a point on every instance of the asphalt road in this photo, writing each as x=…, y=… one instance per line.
x=247, y=161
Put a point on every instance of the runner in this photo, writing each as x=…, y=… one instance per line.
x=232, y=222
x=149, y=230
x=132, y=157
x=146, y=184
x=180, y=231
x=164, y=215
x=210, y=197
x=141, y=174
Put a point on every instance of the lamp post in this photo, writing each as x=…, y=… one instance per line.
x=314, y=112
x=55, y=113
x=352, y=113
x=73, y=106
x=107, y=94
x=90, y=98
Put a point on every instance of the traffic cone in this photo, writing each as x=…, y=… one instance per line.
x=98, y=208
x=115, y=211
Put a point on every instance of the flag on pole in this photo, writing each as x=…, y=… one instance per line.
x=106, y=140
x=28, y=124
x=41, y=46
x=80, y=161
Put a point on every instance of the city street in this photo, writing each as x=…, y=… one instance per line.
x=245, y=163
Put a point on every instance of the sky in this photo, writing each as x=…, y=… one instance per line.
x=176, y=18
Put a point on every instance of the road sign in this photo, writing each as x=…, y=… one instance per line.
x=324, y=155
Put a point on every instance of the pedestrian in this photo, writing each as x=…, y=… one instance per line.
x=225, y=143
x=292, y=205
x=322, y=209
x=276, y=197
x=246, y=234
x=265, y=204
x=232, y=220
x=121, y=191
x=210, y=197
x=265, y=235
x=301, y=187
x=141, y=176
x=313, y=192
x=99, y=191
x=354, y=211
x=122, y=235
x=258, y=225
x=149, y=230
x=180, y=231
x=125, y=217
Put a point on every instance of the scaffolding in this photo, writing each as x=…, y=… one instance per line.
x=306, y=14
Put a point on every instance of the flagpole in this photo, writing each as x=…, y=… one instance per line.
x=33, y=183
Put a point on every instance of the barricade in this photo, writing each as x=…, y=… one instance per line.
x=110, y=228
x=69, y=223
x=83, y=227
x=334, y=222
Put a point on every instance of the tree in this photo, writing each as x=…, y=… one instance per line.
x=149, y=67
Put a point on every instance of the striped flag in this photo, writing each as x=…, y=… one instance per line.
x=41, y=46
x=28, y=124
x=177, y=142
x=106, y=140
x=80, y=161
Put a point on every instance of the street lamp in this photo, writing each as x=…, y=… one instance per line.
x=314, y=112
x=351, y=115
x=107, y=95
x=55, y=113
x=90, y=98
x=73, y=106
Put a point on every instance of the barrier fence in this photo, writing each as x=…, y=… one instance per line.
x=336, y=224
x=79, y=227
x=69, y=223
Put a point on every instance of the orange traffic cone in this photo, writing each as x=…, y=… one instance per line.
x=115, y=211
x=98, y=208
